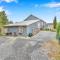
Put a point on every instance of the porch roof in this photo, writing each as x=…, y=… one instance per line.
x=23, y=23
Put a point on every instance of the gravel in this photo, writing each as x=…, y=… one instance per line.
x=26, y=49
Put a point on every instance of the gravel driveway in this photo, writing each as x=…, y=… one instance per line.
x=26, y=49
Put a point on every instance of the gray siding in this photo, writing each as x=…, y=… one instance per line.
x=24, y=31
x=13, y=29
x=18, y=30
x=31, y=27
x=36, y=25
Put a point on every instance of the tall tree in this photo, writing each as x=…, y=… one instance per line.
x=54, y=22
x=3, y=20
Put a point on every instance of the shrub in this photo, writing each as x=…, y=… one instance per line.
x=58, y=29
x=47, y=29
x=58, y=32
x=41, y=28
x=30, y=34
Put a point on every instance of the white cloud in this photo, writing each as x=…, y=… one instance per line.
x=8, y=1
x=58, y=13
x=6, y=11
x=1, y=8
x=51, y=5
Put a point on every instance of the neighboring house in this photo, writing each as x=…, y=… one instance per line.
x=31, y=24
x=49, y=26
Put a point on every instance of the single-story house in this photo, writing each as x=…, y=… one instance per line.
x=31, y=24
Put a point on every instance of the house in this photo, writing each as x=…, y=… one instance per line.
x=49, y=26
x=31, y=24
x=32, y=17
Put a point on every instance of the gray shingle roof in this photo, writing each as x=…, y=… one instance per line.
x=23, y=23
x=32, y=17
x=29, y=20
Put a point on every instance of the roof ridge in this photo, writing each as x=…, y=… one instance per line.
x=32, y=17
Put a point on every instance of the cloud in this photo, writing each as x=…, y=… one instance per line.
x=58, y=13
x=51, y=5
x=6, y=11
x=8, y=1
x=1, y=8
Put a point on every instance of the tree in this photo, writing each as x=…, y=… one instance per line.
x=10, y=22
x=58, y=32
x=3, y=20
x=54, y=22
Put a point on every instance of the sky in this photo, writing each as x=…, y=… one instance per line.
x=18, y=10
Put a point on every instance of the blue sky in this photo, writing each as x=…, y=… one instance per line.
x=18, y=10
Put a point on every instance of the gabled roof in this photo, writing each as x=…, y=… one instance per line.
x=23, y=23
x=32, y=17
x=29, y=20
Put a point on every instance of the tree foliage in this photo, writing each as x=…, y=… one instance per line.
x=54, y=22
x=58, y=32
x=3, y=18
x=10, y=22
x=3, y=21
x=58, y=28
